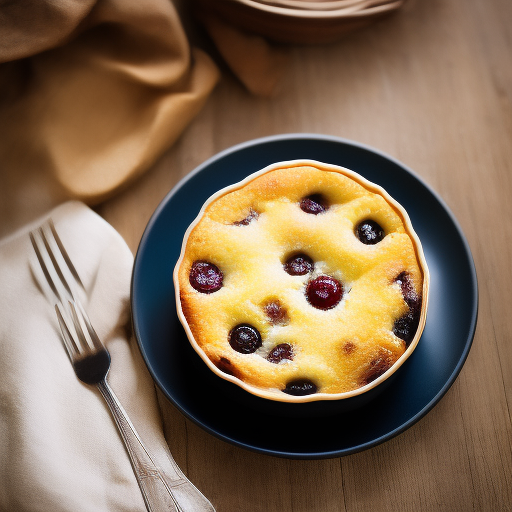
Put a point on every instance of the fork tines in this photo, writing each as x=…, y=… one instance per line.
x=62, y=277
x=42, y=240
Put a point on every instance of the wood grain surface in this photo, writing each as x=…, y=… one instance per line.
x=431, y=86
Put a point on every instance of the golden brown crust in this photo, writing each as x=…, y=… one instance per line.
x=249, y=232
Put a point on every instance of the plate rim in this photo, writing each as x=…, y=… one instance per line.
x=324, y=138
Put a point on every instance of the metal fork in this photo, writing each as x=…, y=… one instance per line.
x=168, y=490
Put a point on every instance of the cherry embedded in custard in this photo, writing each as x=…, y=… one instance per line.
x=205, y=277
x=247, y=220
x=299, y=265
x=313, y=204
x=300, y=387
x=324, y=292
x=276, y=313
x=280, y=352
x=378, y=366
x=245, y=338
x=409, y=294
x=369, y=232
x=406, y=326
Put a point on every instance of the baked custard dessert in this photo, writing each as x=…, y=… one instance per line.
x=302, y=282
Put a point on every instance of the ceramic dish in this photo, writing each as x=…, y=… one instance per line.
x=232, y=414
x=291, y=24
x=326, y=5
x=269, y=392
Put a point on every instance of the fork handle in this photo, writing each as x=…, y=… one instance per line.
x=168, y=490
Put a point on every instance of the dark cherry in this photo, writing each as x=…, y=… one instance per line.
x=369, y=232
x=314, y=204
x=378, y=367
x=406, y=326
x=324, y=292
x=408, y=292
x=276, y=313
x=299, y=265
x=280, y=352
x=245, y=338
x=300, y=387
x=205, y=277
x=245, y=222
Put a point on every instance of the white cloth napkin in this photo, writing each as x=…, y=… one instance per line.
x=59, y=447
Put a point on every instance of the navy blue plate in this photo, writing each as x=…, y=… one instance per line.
x=232, y=414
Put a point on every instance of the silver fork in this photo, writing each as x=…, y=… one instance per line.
x=168, y=490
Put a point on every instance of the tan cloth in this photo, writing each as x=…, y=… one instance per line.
x=91, y=93
x=59, y=447
x=260, y=65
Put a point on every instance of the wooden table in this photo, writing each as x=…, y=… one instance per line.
x=431, y=86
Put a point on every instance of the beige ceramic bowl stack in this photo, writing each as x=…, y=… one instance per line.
x=300, y=21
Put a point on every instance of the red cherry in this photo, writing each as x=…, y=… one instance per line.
x=280, y=352
x=378, y=366
x=276, y=313
x=314, y=204
x=299, y=265
x=410, y=296
x=245, y=222
x=406, y=326
x=324, y=292
x=205, y=277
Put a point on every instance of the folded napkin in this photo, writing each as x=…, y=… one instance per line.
x=59, y=447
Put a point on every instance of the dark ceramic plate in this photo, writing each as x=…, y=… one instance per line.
x=232, y=414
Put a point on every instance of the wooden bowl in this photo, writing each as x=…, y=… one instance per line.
x=298, y=21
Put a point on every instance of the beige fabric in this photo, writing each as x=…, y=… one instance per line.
x=59, y=447
x=260, y=65
x=92, y=92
